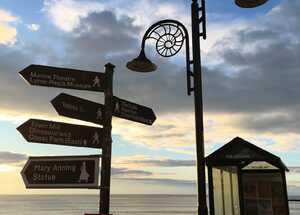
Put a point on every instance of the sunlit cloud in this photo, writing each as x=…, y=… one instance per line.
x=169, y=133
x=140, y=161
x=233, y=79
x=10, y=162
x=66, y=14
x=6, y=168
x=247, y=93
x=11, y=158
x=164, y=181
x=8, y=31
x=124, y=172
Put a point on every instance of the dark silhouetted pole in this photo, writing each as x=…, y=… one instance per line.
x=202, y=206
x=106, y=150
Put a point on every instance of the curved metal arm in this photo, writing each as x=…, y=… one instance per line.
x=169, y=36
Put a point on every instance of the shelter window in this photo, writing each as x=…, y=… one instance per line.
x=256, y=165
x=226, y=192
x=263, y=194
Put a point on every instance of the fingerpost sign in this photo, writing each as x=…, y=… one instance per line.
x=58, y=133
x=77, y=171
x=61, y=172
x=49, y=76
x=78, y=108
x=134, y=112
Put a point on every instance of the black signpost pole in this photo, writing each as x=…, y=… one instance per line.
x=106, y=150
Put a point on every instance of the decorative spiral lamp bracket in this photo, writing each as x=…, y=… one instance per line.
x=169, y=36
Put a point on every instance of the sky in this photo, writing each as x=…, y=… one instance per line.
x=251, y=82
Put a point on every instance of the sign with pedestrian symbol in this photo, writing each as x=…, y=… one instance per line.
x=64, y=78
x=78, y=108
x=61, y=172
x=134, y=112
x=49, y=132
x=77, y=171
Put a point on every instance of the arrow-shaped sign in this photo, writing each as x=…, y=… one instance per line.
x=64, y=78
x=49, y=132
x=78, y=108
x=134, y=112
x=61, y=172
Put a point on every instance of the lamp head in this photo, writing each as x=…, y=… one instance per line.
x=141, y=64
x=250, y=3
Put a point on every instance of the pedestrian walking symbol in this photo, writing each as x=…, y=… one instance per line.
x=117, y=107
x=99, y=114
x=84, y=142
x=84, y=175
x=96, y=82
x=96, y=140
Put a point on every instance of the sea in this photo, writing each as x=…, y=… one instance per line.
x=120, y=205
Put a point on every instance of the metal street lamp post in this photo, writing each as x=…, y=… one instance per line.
x=169, y=36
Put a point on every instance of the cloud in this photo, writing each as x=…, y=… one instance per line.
x=258, y=75
x=33, y=27
x=293, y=190
x=163, y=181
x=117, y=40
x=166, y=133
x=238, y=89
x=121, y=172
x=101, y=34
x=294, y=169
x=277, y=122
x=249, y=91
x=66, y=14
x=148, y=162
x=146, y=12
x=11, y=158
x=8, y=32
x=167, y=163
x=13, y=60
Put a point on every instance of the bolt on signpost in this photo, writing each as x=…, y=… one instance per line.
x=169, y=36
x=77, y=171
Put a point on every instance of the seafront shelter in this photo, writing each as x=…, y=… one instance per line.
x=246, y=180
